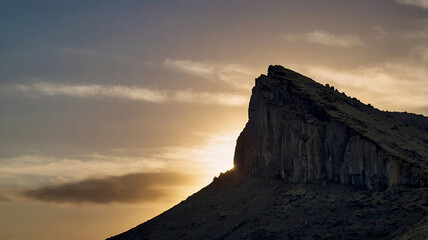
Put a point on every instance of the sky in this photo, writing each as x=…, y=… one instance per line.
x=111, y=112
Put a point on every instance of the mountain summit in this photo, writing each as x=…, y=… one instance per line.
x=302, y=131
x=311, y=163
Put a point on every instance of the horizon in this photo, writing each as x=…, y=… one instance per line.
x=113, y=112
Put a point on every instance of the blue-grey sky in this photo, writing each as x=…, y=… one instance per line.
x=152, y=94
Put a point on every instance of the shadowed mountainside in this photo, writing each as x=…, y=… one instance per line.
x=239, y=206
x=311, y=163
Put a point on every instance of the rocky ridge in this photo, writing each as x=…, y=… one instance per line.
x=301, y=131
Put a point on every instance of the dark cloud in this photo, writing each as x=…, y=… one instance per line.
x=130, y=188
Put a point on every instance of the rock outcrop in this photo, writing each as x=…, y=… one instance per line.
x=301, y=131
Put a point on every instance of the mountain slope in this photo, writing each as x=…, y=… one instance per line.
x=238, y=206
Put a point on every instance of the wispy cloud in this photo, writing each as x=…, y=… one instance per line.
x=226, y=99
x=30, y=171
x=418, y=3
x=327, y=39
x=125, y=93
x=130, y=188
x=236, y=75
x=209, y=158
x=91, y=91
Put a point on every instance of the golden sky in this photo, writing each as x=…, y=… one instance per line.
x=113, y=111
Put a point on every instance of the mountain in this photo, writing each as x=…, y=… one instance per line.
x=311, y=163
x=302, y=131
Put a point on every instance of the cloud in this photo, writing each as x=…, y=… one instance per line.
x=125, y=93
x=212, y=155
x=233, y=74
x=30, y=171
x=91, y=91
x=130, y=188
x=226, y=99
x=327, y=39
x=418, y=3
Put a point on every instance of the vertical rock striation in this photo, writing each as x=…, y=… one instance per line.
x=301, y=131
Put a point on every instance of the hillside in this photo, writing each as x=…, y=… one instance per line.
x=237, y=206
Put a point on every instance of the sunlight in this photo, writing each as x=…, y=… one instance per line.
x=217, y=153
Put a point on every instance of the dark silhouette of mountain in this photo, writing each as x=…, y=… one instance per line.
x=311, y=163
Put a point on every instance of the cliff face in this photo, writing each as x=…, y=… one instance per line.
x=301, y=131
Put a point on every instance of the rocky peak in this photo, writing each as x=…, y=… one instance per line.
x=301, y=131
